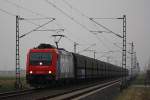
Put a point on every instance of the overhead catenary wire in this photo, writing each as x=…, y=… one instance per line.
x=107, y=18
x=82, y=14
x=112, y=42
x=18, y=6
x=77, y=10
x=33, y=12
x=97, y=33
x=39, y=14
x=121, y=48
x=36, y=18
x=91, y=45
x=71, y=18
x=67, y=31
x=26, y=9
x=105, y=28
x=36, y=28
x=76, y=42
x=90, y=18
x=71, y=40
x=7, y=12
x=87, y=48
x=60, y=25
x=43, y=29
x=29, y=19
x=39, y=26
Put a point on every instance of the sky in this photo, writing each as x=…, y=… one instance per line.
x=76, y=30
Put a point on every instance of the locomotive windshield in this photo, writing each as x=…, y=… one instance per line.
x=39, y=58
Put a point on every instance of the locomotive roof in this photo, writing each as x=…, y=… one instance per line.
x=44, y=46
x=62, y=50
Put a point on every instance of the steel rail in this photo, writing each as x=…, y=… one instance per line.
x=17, y=93
x=77, y=92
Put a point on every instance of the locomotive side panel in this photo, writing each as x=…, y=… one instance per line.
x=65, y=67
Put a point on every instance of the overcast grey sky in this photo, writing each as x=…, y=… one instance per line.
x=138, y=22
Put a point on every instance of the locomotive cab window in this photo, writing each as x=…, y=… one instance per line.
x=40, y=58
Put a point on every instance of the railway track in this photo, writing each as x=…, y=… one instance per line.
x=57, y=93
x=78, y=93
x=16, y=93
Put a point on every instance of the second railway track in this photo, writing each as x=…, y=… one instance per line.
x=15, y=93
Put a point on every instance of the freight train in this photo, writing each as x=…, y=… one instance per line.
x=47, y=64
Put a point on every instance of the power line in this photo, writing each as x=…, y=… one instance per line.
x=87, y=48
x=38, y=18
x=32, y=22
x=26, y=9
x=78, y=11
x=71, y=18
x=112, y=42
x=68, y=31
x=82, y=14
x=44, y=29
x=105, y=28
x=91, y=19
x=71, y=40
x=36, y=28
x=60, y=25
x=75, y=9
x=39, y=26
x=6, y=12
x=35, y=18
x=28, y=19
x=109, y=41
x=33, y=12
x=106, y=18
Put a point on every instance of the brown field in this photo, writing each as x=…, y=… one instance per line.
x=135, y=93
x=7, y=84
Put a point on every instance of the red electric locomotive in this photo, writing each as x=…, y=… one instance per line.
x=46, y=64
x=41, y=64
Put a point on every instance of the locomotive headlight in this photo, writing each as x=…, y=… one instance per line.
x=30, y=72
x=41, y=63
x=49, y=72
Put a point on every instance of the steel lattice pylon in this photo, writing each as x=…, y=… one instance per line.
x=18, y=82
x=132, y=59
x=124, y=50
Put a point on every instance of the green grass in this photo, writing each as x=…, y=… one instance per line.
x=136, y=93
x=7, y=84
x=140, y=80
